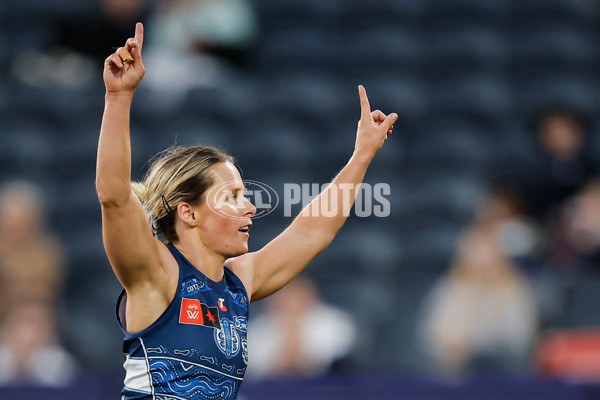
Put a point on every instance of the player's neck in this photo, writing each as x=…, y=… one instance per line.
x=205, y=260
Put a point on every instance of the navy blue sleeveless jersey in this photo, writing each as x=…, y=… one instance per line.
x=197, y=349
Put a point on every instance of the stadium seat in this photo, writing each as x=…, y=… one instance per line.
x=468, y=7
x=555, y=49
x=460, y=51
x=481, y=97
x=388, y=49
x=573, y=90
x=299, y=49
x=436, y=199
x=27, y=149
x=581, y=10
x=398, y=13
x=275, y=15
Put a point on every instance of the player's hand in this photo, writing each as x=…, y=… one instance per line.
x=373, y=127
x=124, y=69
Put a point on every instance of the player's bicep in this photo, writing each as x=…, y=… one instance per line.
x=129, y=243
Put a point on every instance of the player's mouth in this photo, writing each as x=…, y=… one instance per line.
x=245, y=228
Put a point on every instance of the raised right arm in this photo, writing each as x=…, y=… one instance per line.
x=134, y=253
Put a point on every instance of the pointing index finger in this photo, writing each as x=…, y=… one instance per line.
x=139, y=34
x=365, y=107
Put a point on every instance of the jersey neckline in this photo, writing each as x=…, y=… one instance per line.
x=218, y=286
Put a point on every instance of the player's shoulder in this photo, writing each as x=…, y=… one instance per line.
x=240, y=269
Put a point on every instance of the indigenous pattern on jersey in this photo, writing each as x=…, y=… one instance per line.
x=197, y=349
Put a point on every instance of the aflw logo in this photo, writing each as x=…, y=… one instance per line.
x=261, y=195
x=195, y=313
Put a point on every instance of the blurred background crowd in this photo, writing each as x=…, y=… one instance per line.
x=490, y=260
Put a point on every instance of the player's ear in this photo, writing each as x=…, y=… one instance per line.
x=187, y=213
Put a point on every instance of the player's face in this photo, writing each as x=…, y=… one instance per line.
x=225, y=213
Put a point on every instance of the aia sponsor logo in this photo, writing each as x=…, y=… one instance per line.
x=195, y=313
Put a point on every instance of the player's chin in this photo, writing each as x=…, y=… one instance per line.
x=241, y=249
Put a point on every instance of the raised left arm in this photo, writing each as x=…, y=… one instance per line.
x=266, y=271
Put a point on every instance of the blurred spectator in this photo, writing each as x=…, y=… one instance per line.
x=32, y=272
x=520, y=238
x=298, y=335
x=518, y=235
x=31, y=259
x=576, y=234
x=105, y=24
x=574, y=257
x=85, y=33
x=482, y=316
x=221, y=27
x=196, y=41
x=29, y=349
x=562, y=163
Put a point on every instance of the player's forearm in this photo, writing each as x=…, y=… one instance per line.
x=326, y=213
x=113, y=169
